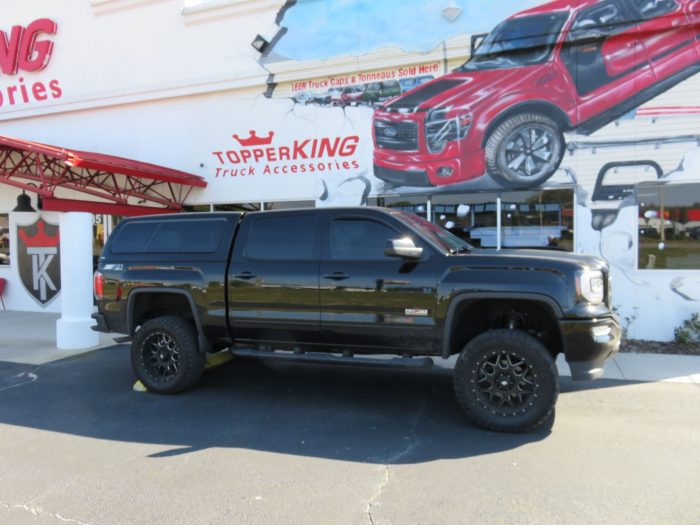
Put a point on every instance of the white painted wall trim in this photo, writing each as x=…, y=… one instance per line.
x=217, y=9
x=239, y=80
x=108, y=6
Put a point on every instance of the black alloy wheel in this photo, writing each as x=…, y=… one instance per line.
x=165, y=355
x=161, y=356
x=506, y=380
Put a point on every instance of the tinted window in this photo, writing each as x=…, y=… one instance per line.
x=132, y=237
x=359, y=239
x=651, y=8
x=599, y=21
x=189, y=236
x=283, y=238
x=518, y=42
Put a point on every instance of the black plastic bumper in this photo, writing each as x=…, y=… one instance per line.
x=101, y=325
x=588, y=343
x=402, y=178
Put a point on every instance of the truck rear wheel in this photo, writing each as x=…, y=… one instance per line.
x=506, y=380
x=164, y=355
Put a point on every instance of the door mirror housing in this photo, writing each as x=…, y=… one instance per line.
x=403, y=248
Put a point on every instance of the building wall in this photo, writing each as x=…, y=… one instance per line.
x=178, y=83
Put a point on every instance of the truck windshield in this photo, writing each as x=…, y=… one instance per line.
x=518, y=42
x=443, y=238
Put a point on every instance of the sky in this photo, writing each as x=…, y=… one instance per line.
x=319, y=29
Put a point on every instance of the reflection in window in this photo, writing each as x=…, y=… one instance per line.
x=282, y=238
x=669, y=226
x=418, y=205
x=534, y=219
x=4, y=239
x=359, y=239
x=538, y=219
x=266, y=206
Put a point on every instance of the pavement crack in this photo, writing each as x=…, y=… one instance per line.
x=39, y=512
x=411, y=444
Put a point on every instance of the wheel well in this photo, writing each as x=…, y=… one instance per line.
x=543, y=108
x=474, y=317
x=149, y=305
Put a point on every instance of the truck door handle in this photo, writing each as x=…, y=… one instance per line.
x=336, y=276
x=245, y=275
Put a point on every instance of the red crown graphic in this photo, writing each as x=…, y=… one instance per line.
x=41, y=239
x=254, y=140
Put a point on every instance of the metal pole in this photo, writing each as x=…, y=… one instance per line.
x=498, y=222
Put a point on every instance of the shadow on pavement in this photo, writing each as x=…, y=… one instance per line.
x=351, y=414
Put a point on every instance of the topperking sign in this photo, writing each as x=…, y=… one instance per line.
x=38, y=255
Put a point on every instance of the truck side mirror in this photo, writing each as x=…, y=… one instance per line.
x=403, y=248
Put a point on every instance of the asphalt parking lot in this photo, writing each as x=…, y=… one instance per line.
x=264, y=443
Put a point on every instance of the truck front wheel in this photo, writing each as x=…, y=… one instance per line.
x=506, y=380
x=524, y=150
x=164, y=355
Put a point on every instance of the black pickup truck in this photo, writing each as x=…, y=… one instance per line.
x=351, y=285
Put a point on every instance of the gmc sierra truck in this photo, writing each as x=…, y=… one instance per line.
x=353, y=286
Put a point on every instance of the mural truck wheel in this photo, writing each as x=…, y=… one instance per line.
x=506, y=380
x=165, y=356
x=524, y=150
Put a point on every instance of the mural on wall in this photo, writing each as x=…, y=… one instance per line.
x=38, y=251
x=596, y=95
x=502, y=119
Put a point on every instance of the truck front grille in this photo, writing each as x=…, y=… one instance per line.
x=401, y=136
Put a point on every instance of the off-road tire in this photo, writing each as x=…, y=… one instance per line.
x=506, y=367
x=503, y=145
x=165, y=355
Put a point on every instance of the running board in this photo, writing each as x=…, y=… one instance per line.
x=332, y=359
x=122, y=339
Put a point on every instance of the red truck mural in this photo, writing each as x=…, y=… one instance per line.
x=568, y=65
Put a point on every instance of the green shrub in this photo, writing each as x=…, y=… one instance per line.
x=689, y=333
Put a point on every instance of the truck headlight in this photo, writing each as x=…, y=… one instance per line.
x=591, y=286
x=445, y=125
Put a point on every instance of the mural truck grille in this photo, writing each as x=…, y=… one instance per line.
x=401, y=136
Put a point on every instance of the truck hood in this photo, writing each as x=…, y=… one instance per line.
x=461, y=89
x=534, y=259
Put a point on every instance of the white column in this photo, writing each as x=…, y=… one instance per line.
x=73, y=328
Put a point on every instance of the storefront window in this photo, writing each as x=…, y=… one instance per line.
x=529, y=219
x=669, y=226
x=4, y=239
x=460, y=214
x=289, y=205
x=538, y=219
x=417, y=205
x=242, y=207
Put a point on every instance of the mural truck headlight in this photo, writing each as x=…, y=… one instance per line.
x=591, y=286
x=443, y=126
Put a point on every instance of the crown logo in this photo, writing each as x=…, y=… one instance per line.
x=254, y=140
x=41, y=239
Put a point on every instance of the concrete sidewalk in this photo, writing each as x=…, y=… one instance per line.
x=30, y=338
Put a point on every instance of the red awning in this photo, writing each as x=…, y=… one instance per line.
x=117, y=185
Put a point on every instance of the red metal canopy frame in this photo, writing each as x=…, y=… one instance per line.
x=115, y=182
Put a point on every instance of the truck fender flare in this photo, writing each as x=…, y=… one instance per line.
x=203, y=343
x=469, y=296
